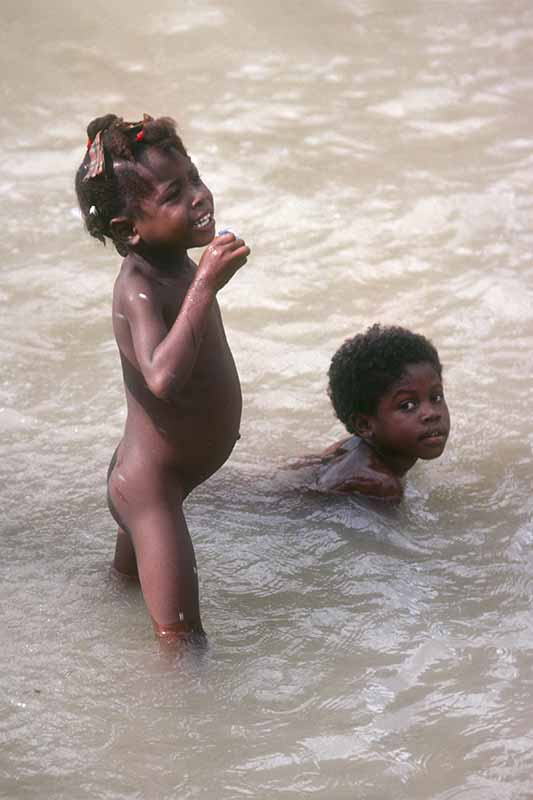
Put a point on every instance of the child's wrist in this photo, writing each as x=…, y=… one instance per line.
x=205, y=284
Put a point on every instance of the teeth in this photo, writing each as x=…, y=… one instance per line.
x=200, y=223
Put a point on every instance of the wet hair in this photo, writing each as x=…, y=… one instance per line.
x=366, y=366
x=117, y=190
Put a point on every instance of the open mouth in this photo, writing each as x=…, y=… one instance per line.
x=434, y=437
x=203, y=222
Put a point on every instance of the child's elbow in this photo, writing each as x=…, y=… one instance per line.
x=162, y=385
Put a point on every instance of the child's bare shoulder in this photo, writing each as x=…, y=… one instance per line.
x=130, y=279
x=350, y=466
x=136, y=293
x=339, y=448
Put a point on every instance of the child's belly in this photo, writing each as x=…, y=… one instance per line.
x=191, y=438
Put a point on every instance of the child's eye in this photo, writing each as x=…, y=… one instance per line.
x=408, y=405
x=438, y=397
x=174, y=196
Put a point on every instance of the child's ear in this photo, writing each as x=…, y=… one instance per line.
x=362, y=425
x=123, y=230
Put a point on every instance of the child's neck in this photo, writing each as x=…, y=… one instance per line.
x=396, y=463
x=162, y=260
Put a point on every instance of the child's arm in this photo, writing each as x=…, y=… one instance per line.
x=355, y=470
x=338, y=448
x=166, y=357
x=367, y=482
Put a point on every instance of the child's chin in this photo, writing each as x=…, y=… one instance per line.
x=435, y=453
x=205, y=236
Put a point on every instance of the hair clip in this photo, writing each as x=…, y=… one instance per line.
x=139, y=136
x=96, y=158
x=93, y=211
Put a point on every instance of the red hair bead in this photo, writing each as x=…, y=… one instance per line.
x=140, y=136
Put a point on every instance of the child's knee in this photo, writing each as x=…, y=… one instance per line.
x=125, y=561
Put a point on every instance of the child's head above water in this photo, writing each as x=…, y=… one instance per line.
x=117, y=172
x=386, y=381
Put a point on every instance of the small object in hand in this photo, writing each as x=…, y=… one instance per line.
x=222, y=231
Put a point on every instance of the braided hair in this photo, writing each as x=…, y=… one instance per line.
x=118, y=186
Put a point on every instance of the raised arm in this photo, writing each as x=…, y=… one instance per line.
x=166, y=357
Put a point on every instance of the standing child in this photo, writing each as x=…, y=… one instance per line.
x=138, y=187
x=386, y=387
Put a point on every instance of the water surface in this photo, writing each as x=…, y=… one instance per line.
x=378, y=158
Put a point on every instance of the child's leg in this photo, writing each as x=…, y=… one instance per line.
x=154, y=540
x=125, y=561
x=167, y=570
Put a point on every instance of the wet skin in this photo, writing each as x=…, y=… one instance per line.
x=182, y=389
x=411, y=422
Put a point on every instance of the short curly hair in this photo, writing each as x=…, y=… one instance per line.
x=366, y=366
x=120, y=187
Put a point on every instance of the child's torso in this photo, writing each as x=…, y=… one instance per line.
x=196, y=430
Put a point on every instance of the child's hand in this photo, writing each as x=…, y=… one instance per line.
x=221, y=260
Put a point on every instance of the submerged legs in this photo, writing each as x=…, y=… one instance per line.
x=153, y=544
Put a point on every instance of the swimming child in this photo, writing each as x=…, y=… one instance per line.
x=386, y=387
x=138, y=187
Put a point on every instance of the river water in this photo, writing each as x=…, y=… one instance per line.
x=378, y=158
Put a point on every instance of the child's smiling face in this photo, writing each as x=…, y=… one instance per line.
x=179, y=212
x=412, y=419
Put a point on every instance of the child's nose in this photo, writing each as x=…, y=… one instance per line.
x=430, y=413
x=199, y=196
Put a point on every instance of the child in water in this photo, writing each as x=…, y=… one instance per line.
x=138, y=187
x=386, y=387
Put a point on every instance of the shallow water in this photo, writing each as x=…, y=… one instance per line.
x=378, y=159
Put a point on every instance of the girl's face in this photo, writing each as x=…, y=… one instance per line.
x=179, y=212
x=412, y=419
